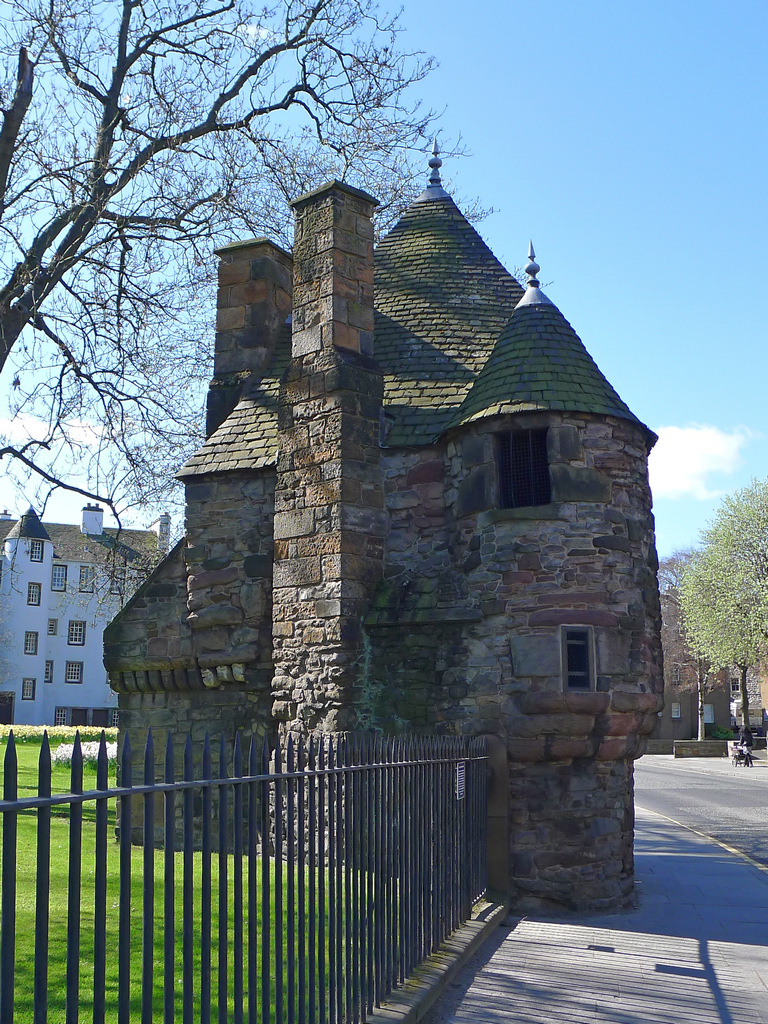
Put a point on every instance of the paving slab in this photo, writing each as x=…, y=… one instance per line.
x=694, y=949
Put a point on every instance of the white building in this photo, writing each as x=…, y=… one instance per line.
x=60, y=586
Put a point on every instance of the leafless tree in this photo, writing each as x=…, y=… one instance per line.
x=137, y=135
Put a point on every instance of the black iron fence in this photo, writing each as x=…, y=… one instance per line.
x=300, y=885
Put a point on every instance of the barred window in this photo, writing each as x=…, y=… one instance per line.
x=114, y=718
x=677, y=674
x=59, y=577
x=76, y=633
x=523, y=469
x=36, y=551
x=74, y=672
x=674, y=709
x=53, y=627
x=34, y=590
x=30, y=643
x=28, y=689
x=60, y=716
x=87, y=576
x=577, y=658
x=48, y=678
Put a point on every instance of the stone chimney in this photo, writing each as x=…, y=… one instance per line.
x=93, y=520
x=162, y=529
x=254, y=306
x=329, y=503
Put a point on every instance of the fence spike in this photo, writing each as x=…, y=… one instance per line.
x=149, y=760
x=237, y=757
x=207, y=757
x=278, y=756
x=223, y=773
x=252, y=756
x=265, y=756
x=102, y=764
x=189, y=759
x=170, y=771
x=289, y=757
x=10, y=760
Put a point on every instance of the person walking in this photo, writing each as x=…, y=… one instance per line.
x=746, y=742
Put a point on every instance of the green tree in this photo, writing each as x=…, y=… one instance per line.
x=674, y=638
x=135, y=138
x=724, y=589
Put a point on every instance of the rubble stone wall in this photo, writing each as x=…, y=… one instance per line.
x=329, y=504
x=465, y=634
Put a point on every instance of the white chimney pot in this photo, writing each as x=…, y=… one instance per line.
x=93, y=520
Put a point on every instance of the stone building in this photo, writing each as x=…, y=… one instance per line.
x=420, y=507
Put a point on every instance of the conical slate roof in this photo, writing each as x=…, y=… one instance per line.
x=29, y=526
x=539, y=362
x=441, y=298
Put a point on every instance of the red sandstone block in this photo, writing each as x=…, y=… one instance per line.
x=426, y=472
x=588, y=703
x=517, y=579
x=568, y=748
x=576, y=616
x=626, y=700
x=571, y=597
x=234, y=273
x=526, y=750
x=319, y=544
x=542, y=703
x=249, y=291
x=344, y=336
x=616, y=748
x=230, y=319
x=623, y=725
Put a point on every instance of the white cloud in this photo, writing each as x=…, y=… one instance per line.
x=684, y=459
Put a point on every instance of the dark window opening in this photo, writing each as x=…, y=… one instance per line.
x=577, y=659
x=78, y=716
x=523, y=469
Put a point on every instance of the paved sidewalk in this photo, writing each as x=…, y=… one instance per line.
x=695, y=949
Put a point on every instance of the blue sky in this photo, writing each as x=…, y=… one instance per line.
x=628, y=140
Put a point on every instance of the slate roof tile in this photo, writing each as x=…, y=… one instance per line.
x=449, y=347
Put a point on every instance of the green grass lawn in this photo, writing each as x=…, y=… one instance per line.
x=25, y=925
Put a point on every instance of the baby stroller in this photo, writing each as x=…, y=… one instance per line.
x=741, y=755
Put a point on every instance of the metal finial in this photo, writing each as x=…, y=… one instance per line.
x=435, y=163
x=532, y=267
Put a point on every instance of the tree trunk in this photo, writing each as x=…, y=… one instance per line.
x=701, y=678
x=744, y=695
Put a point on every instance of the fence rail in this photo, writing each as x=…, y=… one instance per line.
x=299, y=885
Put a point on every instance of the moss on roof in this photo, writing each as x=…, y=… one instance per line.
x=448, y=345
x=539, y=362
x=441, y=299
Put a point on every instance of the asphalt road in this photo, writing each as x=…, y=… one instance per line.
x=709, y=795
